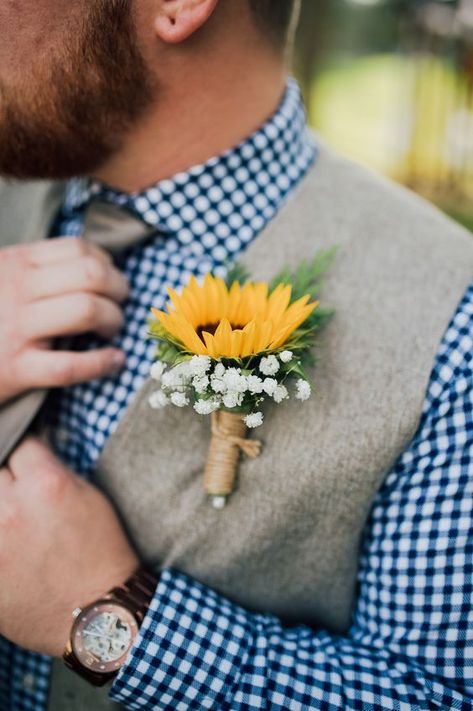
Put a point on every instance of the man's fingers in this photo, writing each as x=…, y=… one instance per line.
x=7, y=490
x=53, y=369
x=33, y=458
x=6, y=477
x=30, y=452
x=61, y=249
x=70, y=315
x=87, y=273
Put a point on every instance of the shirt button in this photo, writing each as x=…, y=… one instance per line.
x=28, y=682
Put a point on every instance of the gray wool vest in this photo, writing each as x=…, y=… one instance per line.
x=288, y=541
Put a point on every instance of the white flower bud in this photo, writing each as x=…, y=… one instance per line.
x=217, y=384
x=269, y=365
x=286, y=356
x=280, y=393
x=254, y=420
x=179, y=399
x=219, y=370
x=270, y=385
x=254, y=384
x=157, y=370
x=234, y=380
x=201, y=383
x=303, y=390
x=158, y=400
x=232, y=399
x=178, y=376
x=199, y=365
x=168, y=379
x=182, y=372
x=205, y=407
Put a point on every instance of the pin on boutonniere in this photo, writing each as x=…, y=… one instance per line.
x=228, y=347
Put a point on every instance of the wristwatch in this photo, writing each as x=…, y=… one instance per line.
x=104, y=631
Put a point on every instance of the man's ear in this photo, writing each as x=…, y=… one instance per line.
x=176, y=20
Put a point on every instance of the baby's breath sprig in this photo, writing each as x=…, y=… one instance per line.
x=212, y=385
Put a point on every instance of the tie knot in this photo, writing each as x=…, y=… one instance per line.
x=107, y=222
x=113, y=227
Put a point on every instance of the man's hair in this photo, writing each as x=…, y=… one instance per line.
x=275, y=17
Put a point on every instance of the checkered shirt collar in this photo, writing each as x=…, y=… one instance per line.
x=182, y=205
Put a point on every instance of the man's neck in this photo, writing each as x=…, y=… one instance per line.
x=189, y=124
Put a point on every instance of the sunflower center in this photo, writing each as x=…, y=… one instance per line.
x=212, y=327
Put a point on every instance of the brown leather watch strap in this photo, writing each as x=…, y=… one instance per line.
x=137, y=592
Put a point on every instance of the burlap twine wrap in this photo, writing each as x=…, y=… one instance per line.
x=228, y=439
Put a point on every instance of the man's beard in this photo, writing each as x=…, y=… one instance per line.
x=72, y=112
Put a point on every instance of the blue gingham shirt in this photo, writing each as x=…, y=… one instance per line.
x=410, y=644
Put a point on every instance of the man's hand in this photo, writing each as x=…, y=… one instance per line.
x=61, y=546
x=54, y=288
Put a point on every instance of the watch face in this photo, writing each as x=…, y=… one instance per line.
x=102, y=636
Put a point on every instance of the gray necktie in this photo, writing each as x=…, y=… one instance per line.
x=112, y=228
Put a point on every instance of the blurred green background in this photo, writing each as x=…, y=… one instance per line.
x=389, y=83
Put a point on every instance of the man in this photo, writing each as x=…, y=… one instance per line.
x=339, y=576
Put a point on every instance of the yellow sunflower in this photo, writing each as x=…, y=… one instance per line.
x=211, y=319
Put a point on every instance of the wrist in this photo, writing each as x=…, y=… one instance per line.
x=104, y=631
x=90, y=590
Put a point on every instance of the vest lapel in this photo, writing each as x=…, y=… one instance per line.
x=27, y=210
x=26, y=215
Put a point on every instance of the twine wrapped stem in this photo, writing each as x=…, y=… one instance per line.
x=228, y=439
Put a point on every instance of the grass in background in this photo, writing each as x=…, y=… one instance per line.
x=410, y=118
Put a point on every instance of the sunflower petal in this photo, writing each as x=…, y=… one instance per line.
x=298, y=318
x=222, y=337
x=185, y=333
x=157, y=313
x=260, y=297
x=199, y=294
x=182, y=304
x=248, y=339
x=297, y=310
x=242, y=310
x=210, y=343
x=234, y=301
x=278, y=302
x=264, y=336
x=235, y=343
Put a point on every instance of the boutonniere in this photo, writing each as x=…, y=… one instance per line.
x=227, y=348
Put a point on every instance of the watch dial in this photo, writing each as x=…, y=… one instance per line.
x=107, y=637
x=103, y=635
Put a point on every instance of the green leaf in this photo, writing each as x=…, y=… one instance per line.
x=308, y=277
x=237, y=272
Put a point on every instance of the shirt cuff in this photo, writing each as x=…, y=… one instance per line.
x=190, y=649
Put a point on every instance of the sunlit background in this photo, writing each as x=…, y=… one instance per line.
x=389, y=83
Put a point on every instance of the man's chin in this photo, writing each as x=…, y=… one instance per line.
x=68, y=116
x=40, y=162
